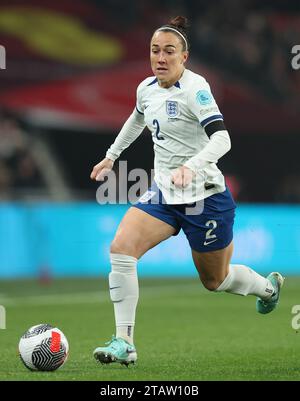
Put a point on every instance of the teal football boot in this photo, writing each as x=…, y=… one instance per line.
x=266, y=306
x=117, y=350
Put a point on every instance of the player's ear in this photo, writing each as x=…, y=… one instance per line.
x=185, y=56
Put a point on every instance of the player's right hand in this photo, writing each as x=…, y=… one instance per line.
x=101, y=169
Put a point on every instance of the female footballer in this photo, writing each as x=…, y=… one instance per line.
x=188, y=191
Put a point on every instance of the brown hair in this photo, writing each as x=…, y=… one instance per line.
x=180, y=24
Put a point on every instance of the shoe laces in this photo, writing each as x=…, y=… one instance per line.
x=114, y=338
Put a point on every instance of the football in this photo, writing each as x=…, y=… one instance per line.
x=43, y=347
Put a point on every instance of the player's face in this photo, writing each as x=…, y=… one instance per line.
x=167, y=58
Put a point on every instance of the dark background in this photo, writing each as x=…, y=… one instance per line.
x=243, y=48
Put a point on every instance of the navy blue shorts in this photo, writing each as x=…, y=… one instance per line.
x=207, y=224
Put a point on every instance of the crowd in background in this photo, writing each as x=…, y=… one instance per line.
x=249, y=40
x=20, y=176
x=253, y=43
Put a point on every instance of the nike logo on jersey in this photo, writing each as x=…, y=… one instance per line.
x=113, y=288
x=209, y=242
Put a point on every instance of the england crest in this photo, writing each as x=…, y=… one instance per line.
x=172, y=108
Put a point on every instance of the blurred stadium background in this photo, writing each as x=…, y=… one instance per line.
x=72, y=68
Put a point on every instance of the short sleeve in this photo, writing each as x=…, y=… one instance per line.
x=202, y=104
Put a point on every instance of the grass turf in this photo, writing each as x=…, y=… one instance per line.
x=183, y=332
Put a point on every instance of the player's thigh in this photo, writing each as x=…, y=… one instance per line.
x=213, y=266
x=138, y=232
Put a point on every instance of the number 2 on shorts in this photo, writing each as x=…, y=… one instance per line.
x=209, y=237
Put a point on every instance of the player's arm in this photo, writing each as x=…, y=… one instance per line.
x=219, y=144
x=204, y=107
x=132, y=128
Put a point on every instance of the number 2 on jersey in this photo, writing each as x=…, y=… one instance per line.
x=157, y=127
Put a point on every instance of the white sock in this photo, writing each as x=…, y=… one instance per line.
x=124, y=292
x=242, y=280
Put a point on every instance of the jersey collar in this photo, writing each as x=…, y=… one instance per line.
x=177, y=84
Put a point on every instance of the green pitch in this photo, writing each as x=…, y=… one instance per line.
x=183, y=332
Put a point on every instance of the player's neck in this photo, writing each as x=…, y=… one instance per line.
x=169, y=84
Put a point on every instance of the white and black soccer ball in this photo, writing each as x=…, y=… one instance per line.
x=43, y=347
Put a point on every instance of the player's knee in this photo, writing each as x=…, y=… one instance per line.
x=120, y=245
x=211, y=284
x=115, y=246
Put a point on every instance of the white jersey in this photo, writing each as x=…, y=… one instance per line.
x=177, y=116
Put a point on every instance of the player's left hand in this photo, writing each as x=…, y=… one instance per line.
x=182, y=176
